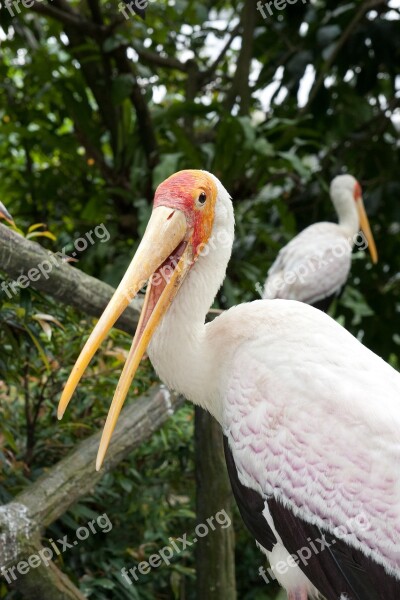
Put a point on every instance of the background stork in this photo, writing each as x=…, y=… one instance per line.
x=314, y=266
x=311, y=417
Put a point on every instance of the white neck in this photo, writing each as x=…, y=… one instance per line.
x=345, y=205
x=179, y=350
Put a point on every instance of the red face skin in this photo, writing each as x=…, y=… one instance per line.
x=182, y=191
x=357, y=191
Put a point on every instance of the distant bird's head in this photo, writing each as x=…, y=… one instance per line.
x=346, y=192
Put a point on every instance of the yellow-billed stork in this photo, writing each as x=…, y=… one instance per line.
x=314, y=266
x=311, y=418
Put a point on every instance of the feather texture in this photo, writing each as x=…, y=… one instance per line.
x=313, y=265
x=315, y=425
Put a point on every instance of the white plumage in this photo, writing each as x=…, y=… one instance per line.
x=316, y=263
x=311, y=417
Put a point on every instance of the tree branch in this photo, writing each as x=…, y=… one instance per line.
x=69, y=18
x=153, y=58
x=22, y=521
x=95, y=10
x=364, y=8
x=209, y=72
x=144, y=120
x=64, y=282
x=75, y=476
x=240, y=84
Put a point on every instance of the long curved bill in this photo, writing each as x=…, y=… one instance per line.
x=163, y=259
x=366, y=229
x=4, y=214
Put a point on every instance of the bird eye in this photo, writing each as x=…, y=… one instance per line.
x=202, y=198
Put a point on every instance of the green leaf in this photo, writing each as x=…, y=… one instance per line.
x=39, y=348
x=167, y=165
x=122, y=87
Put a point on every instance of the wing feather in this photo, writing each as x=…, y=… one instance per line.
x=313, y=265
x=316, y=426
x=330, y=564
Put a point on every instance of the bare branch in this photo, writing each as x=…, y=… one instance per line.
x=160, y=61
x=68, y=18
x=207, y=75
x=75, y=475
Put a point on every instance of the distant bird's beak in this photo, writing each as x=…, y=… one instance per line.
x=4, y=214
x=163, y=259
x=366, y=229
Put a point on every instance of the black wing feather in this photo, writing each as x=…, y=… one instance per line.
x=335, y=570
x=250, y=504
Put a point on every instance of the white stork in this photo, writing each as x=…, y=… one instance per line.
x=315, y=265
x=4, y=214
x=311, y=418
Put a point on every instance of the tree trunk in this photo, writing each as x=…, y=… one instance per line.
x=215, y=552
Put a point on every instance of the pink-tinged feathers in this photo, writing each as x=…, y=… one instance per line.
x=313, y=419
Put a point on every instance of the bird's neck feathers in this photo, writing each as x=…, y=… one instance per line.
x=346, y=209
x=179, y=350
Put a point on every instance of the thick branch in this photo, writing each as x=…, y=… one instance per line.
x=69, y=18
x=75, y=476
x=144, y=120
x=22, y=521
x=62, y=281
x=240, y=84
x=95, y=11
x=153, y=58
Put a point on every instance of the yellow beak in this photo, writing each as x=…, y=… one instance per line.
x=4, y=214
x=163, y=259
x=366, y=229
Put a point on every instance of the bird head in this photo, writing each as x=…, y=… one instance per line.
x=181, y=223
x=345, y=189
x=4, y=214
